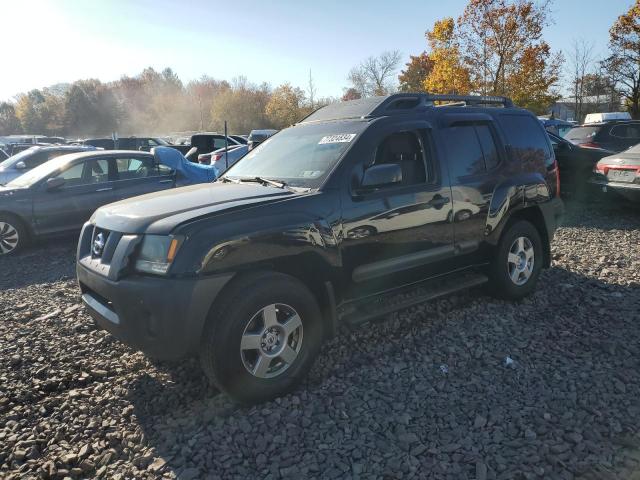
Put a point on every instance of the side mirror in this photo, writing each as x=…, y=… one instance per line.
x=20, y=165
x=55, y=183
x=381, y=175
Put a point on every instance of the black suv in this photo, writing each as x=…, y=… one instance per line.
x=614, y=136
x=363, y=208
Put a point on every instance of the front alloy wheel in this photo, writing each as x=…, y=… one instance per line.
x=271, y=341
x=9, y=238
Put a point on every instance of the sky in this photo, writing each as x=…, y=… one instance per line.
x=54, y=41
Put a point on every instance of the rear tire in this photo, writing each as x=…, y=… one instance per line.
x=517, y=263
x=13, y=235
x=262, y=338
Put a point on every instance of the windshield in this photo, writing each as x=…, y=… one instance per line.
x=581, y=133
x=12, y=160
x=301, y=156
x=36, y=174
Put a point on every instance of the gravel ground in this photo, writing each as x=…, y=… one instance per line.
x=466, y=387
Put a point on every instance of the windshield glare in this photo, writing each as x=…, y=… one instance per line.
x=301, y=156
x=581, y=133
x=39, y=172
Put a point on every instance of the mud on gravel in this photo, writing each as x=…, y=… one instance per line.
x=466, y=387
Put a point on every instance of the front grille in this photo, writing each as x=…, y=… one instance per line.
x=105, y=252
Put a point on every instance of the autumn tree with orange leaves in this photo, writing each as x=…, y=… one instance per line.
x=448, y=74
x=412, y=77
x=624, y=62
x=504, y=49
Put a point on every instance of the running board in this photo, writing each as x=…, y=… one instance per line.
x=371, y=308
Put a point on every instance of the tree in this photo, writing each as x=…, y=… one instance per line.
x=243, y=107
x=9, y=123
x=447, y=74
x=90, y=109
x=30, y=110
x=285, y=106
x=351, y=94
x=373, y=76
x=624, y=61
x=532, y=81
x=416, y=70
x=502, y=40
x=581, y=59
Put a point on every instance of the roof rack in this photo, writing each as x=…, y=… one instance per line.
x=397, y=103
x=472, y=99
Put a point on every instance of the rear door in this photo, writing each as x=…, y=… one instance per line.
x=88, y=186
x=474, y=159
x=140, y=174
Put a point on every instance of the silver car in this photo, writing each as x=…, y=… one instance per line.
x=20, y=163
x=619, y=174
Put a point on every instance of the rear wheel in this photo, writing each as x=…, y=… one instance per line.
x=263, y=337
x=13, y=235
x=517, y=263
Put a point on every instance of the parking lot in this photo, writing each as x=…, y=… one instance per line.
x=466, y=387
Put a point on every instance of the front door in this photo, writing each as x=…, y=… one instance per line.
x=88, y=185
x=401, y=232
x=137, y=175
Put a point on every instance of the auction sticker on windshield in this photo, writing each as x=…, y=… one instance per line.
x=342, y=138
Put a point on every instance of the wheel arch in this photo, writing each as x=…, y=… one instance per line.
x=27, y=225
x=309, y=269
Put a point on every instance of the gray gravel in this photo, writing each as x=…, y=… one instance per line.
x=467, y=387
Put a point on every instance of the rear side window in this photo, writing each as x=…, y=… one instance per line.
x=471, y=149
x=130, y=168
x=626, y=130
x=581, y=133
x=36, y=159
x=528, y=141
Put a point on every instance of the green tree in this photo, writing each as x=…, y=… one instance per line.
x=90, y=109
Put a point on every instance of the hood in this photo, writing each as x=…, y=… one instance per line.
x=630, y=159
x=161, y=212
x=6, y=193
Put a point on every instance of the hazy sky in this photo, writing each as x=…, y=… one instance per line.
x=46, y=42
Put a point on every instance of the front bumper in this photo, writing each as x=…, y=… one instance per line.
x=163, y=317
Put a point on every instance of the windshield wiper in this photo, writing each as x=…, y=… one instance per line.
x=232, y=180
x=264, y=181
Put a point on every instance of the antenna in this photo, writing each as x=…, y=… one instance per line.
x=226, y=147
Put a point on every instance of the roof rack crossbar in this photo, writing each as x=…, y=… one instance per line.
x=471, y=99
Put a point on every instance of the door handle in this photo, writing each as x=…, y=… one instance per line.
x=166, y=181
x=438, y=201
x=105, y=189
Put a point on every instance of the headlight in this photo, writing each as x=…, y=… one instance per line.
x=157, y=253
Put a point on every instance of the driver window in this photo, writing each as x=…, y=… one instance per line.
x=407, y=150
x=73, y=175
x=130, y=168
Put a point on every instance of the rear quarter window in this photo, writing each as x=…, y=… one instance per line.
x=581, y=133
x=528, y=141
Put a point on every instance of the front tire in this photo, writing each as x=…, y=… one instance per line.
x=262, y=338
x=13, y=235
x=517, y=263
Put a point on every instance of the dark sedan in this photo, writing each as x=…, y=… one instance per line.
x=575, y=164
x=60, y=195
